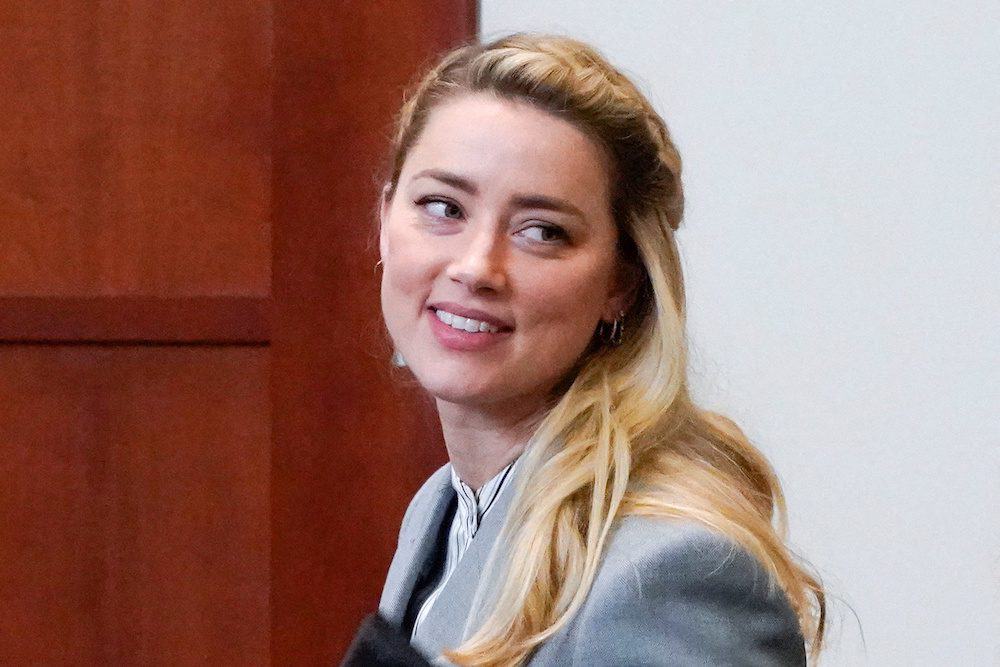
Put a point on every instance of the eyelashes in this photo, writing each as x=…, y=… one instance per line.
x=444, y=204
x=550, y=229
x=446, y=209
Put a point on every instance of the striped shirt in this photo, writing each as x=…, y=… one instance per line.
x=472, y=506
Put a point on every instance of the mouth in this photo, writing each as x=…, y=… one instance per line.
x=464, y=335
x=471, y=325
x=470, y=320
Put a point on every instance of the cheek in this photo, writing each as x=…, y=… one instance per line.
x=407, y=275
x=568, y=300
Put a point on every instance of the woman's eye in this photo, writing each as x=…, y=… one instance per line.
x=441, y=208
x=546, y=233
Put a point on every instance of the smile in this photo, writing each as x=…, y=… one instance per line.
x=465, y=323
x=463, y=334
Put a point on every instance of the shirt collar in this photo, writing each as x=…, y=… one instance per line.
x=473, y=505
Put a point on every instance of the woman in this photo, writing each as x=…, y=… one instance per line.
x=590, y=514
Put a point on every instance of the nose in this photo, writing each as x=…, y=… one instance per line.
x=480, y=264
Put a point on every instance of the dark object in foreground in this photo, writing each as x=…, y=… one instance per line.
x=379, y=643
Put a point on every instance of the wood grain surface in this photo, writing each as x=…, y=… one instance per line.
x=134, y=493
x=204, y=453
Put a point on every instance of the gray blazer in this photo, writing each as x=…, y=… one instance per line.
x=666, y=593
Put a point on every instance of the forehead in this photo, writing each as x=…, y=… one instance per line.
x=508, y=145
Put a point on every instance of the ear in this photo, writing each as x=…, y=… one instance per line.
x=624, y=289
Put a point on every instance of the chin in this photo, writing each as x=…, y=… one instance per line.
x=459, y=390
x=461, y=394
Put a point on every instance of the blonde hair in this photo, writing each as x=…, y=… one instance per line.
x=621, y=435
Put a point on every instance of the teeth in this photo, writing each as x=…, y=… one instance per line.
x=464, y=323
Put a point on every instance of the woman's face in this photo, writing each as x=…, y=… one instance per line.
x=501, y=214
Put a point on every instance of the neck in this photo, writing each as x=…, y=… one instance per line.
x=481, y=441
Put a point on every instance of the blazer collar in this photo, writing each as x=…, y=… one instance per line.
x=415, y=543
x=453, y=618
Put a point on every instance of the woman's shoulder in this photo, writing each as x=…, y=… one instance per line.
x=439, y=479
x=651, y=542
x=675, y=587
x=427, y=494
x=653, y=553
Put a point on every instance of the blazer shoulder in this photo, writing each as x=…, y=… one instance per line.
x=678, y=593
x=652, y=544
x=425, y=495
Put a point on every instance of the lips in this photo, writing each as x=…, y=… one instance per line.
x=474, y=313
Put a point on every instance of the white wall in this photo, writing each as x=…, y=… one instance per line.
x=841, y=246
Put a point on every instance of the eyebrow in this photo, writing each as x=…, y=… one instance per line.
x=541, y=202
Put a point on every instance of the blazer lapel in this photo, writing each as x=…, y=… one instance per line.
x=415, y=543
x=451, y=620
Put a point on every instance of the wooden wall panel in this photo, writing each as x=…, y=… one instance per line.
x=128, y=319
x=136, y=148
x=351, y=446
x=203, y=455
x=134, y=497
